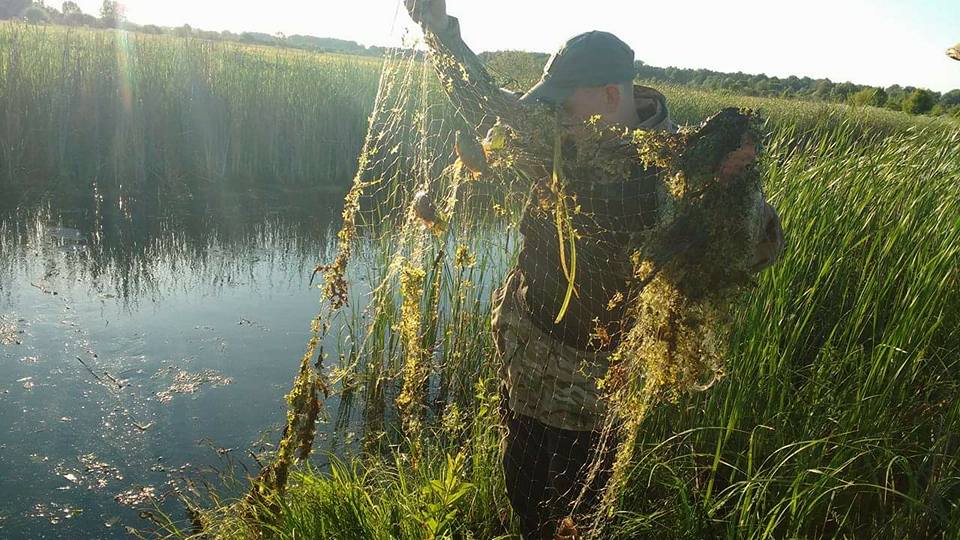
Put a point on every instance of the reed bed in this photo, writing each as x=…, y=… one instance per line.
x=839, y=417
x=142, y=119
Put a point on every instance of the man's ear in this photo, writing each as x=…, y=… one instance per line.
x=612, y=97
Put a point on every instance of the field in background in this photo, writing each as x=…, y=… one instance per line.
x=141, y=116
x=839, y=416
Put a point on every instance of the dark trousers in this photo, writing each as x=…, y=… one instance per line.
x=546, y=469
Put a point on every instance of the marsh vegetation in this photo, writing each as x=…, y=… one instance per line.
x=838, y=418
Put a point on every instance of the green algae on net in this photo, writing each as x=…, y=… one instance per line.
x=687, y=267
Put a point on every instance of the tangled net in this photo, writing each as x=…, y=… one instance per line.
x=439, y=188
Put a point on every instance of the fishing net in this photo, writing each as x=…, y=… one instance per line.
x=580, y=274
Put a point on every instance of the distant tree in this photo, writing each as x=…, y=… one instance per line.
x=10, y=9
x=36, y=15
x=71, y=14
x=211, y=35
x=87, y=19
x=951, y=98
x=919, y=101
x=875, y=97
x=948, y=104
x=823, y=88
x=879, y=97
x=55, y=16
x=258, y=37
x=111, y=14
x=151, y=29
x=861, y=98
x=895, y=97
x=183, y=31
x=842, y=91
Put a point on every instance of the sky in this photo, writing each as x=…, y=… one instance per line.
x=876, y=42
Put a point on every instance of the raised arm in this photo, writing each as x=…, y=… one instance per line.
x=472, y=90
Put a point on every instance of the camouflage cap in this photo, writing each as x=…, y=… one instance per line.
x=589, y=59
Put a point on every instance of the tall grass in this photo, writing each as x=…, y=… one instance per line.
x=145, y=142
x=689, y=105
x=838, y=419
x=147, y=118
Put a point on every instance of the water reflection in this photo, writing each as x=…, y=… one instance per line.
x=136, y=255
x=131, y=349
x=136, y=347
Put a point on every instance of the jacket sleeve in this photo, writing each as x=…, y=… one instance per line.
x=467, y=83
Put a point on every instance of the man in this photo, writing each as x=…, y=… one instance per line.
x=550, y=364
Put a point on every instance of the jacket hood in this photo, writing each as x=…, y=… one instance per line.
x=652, y=109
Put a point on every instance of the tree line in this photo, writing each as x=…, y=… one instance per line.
x=908, y=99
x=112, y=16
x=111, y=13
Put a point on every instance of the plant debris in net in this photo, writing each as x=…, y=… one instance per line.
x=420, y=168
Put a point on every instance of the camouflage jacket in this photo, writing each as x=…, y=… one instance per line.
x=610, y=209
x=550, y=370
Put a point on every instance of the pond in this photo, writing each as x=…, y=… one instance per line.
x=138, y=349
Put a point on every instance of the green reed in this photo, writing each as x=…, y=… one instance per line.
x=141, y=118
x=835, y=420
x=838, y=417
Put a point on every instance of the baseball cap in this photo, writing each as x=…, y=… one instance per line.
x=590, y=59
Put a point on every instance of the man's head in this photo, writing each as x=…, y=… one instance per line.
x=592, y=74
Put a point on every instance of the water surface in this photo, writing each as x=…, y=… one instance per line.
x=134, y=349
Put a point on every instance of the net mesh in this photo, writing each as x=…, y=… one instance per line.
x=585, y=271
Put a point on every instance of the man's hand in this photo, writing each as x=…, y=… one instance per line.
x=737, y=161
x=770, y=244
x=430, y=14
x=770, y=247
